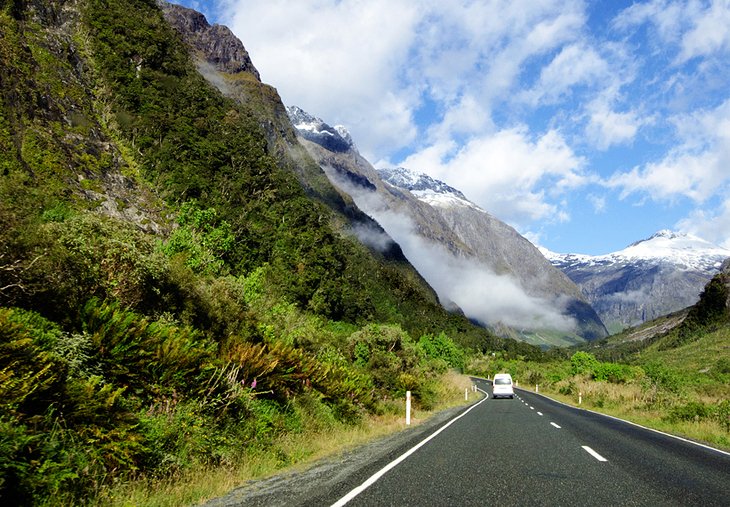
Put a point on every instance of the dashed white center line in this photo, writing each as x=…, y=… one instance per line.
x=593, y=453
x=539, y=413
x=532, y=408
x=552, y=423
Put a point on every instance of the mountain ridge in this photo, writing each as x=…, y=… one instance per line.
x=649, y=278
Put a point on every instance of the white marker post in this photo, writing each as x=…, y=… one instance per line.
x=408, y=408
x=580, y=397
x=537, y=388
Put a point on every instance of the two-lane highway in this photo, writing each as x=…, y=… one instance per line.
x=531, y=450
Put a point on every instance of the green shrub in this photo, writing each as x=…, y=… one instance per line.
x=30, y=377
x=691, y=411
x=203, y=238
x=722, y=413
x=722, y=366
x=442, y=347
x=583, y=363
x=44, y=465
x=663, y=377
x=425, y=394
x=385, y=352
x=612, y=372
x=568, y=388
x=145, y=355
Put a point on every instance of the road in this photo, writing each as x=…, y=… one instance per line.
x=525, y=451
x=532, y=451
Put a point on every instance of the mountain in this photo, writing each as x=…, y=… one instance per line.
x=704, y=324
x=650, y=278
x=172, y=259
x=475, y=262
x=336, y=139
x=154, y=128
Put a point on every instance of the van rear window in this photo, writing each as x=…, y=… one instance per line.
x=502, y=381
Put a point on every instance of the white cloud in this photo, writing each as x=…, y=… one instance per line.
x=370, y=65
x=515, y=177
x=607, y=127
x=482, y=294
x=696, y=169
x=575, y=64
x=709, y=32
x=712, y=225
x=667, y=17
x=697, y=29
x=467, y=116
x=340, y=60
x=598, y=202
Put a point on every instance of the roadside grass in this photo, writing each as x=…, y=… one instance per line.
x=648, y=406
x=700, y=356
x=289, y=452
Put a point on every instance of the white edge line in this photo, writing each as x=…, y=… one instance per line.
x=676, y=437
x=377, y=475
x=593, y=453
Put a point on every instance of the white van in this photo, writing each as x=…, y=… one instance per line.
x=502, y=386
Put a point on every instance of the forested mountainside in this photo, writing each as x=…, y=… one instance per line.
x=171, y=293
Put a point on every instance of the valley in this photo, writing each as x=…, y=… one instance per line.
x=201, y=286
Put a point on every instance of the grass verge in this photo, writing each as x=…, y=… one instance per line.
x=288, y=452
x=648, y=408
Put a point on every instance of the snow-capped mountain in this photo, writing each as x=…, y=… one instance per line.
x=649, y=278
x=474, y=261
x=426, y=189
x=336, y=138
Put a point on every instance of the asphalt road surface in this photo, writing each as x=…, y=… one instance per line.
x=525, y=451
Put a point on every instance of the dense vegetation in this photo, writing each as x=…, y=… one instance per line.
x=169, y=296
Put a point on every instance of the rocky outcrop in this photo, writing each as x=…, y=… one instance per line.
x=313, y=129
x=221, y=47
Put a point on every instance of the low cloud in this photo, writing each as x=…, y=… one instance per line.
x=478, y=291
x=214, y=77
x=373, y=237
x=637, y=296
x=482, y=294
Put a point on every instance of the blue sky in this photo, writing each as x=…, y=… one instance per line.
x=585, y=125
